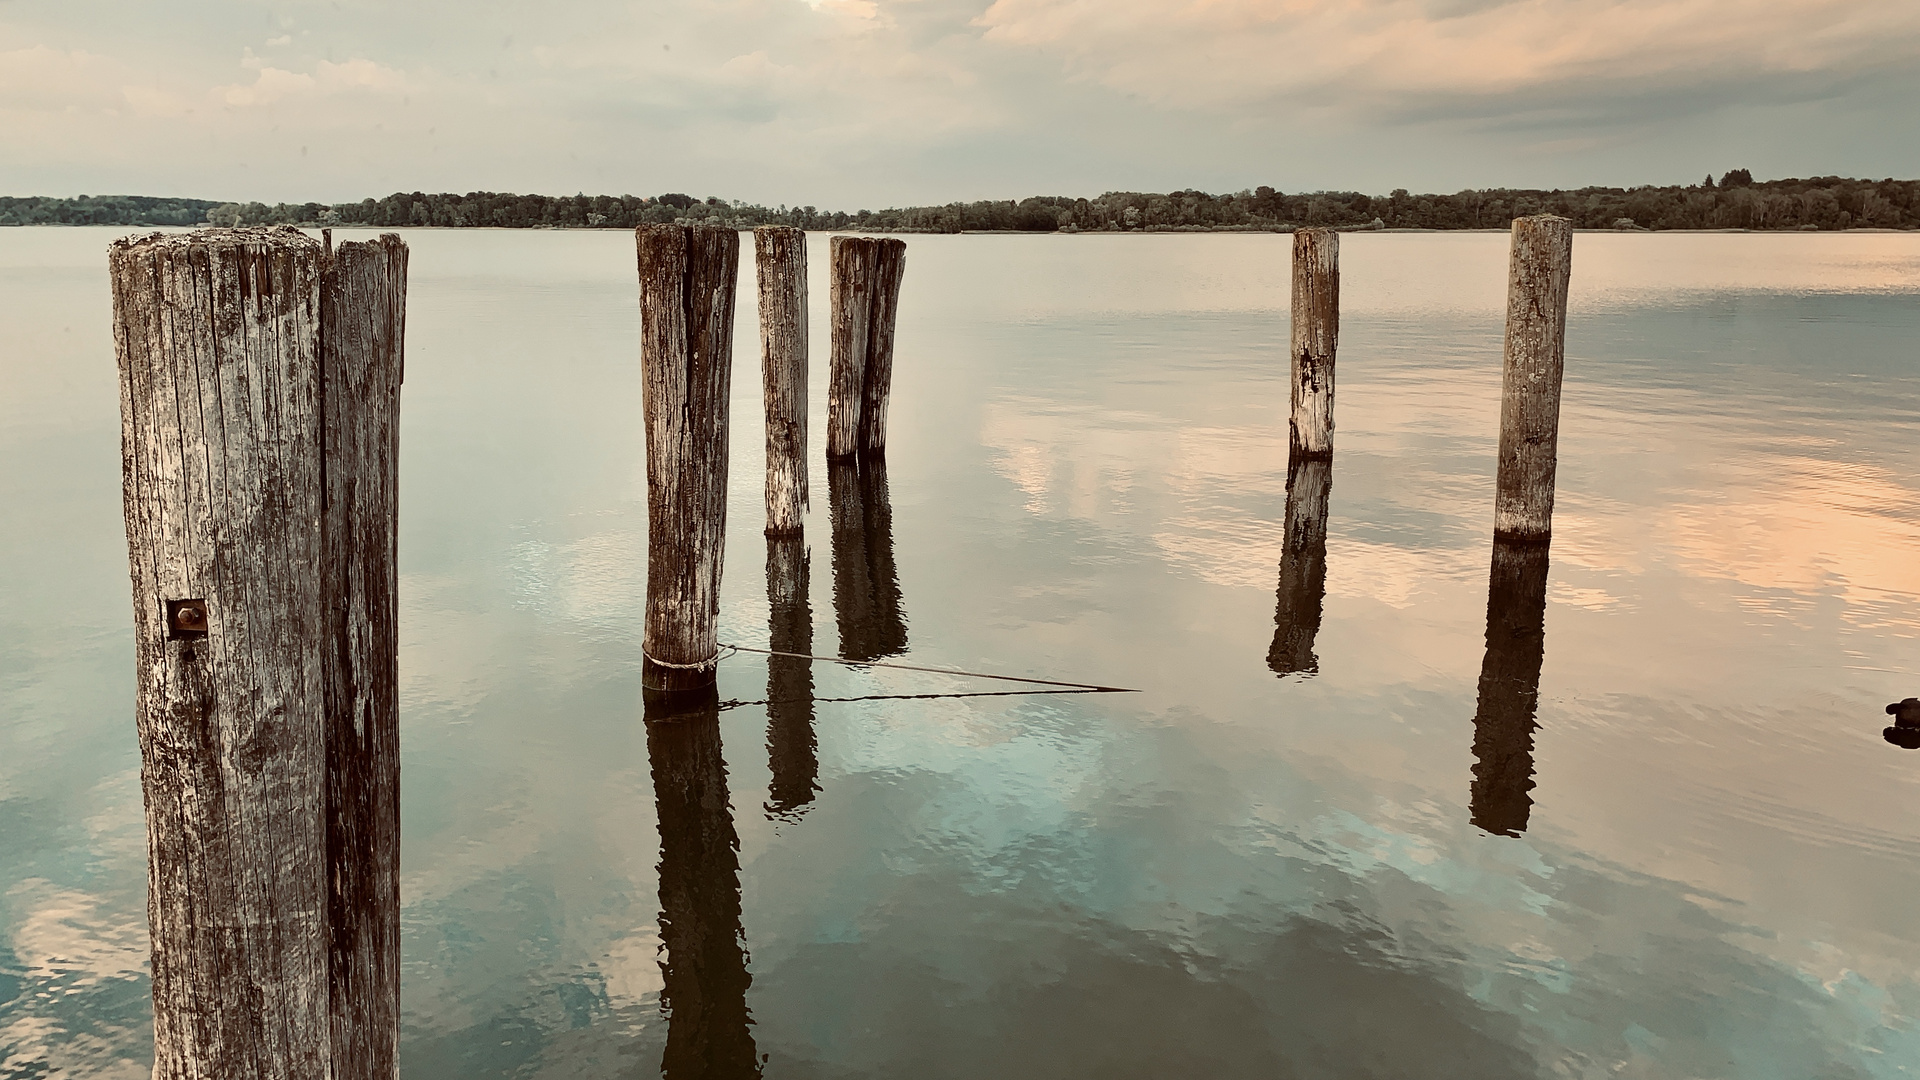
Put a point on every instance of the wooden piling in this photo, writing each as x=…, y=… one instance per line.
x=865, y=296
x=363, y=328
x=259, y=396
x=1303, y=569
x=851, y=302
x=1503, y=720
x=1538, y=274
x=792, y=746
x=780, y=257
x=1316, y=332
x=889, y=267
x=687, y=276
x=705, y=978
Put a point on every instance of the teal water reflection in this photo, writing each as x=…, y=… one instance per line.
x=1239, y=871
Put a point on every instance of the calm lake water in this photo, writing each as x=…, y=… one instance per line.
x=1302, y=850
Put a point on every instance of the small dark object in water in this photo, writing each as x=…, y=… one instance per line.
x=1905, y=731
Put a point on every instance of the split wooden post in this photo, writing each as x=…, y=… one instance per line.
x=851, y=301
x=1503, y=721
x=889, y=267
x=363, y=307
x=865, y=299
x=687, y=275
x=1316, y=332
x=780, y=257
x=259, y=402
x=1538, y=274
x=1303, y=569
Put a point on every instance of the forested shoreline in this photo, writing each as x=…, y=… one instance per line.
x=1735, y=201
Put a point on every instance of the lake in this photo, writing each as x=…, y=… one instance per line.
x=1316, y=843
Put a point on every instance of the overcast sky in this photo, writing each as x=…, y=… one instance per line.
x=850, y=103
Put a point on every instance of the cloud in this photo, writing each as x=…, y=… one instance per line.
x=40, y=78
x=273, y=84
x=1406, y=58
x=876, y=102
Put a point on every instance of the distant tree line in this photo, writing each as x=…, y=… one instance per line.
x=1736, y=201
x=104, y=210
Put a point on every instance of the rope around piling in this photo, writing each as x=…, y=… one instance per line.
x=1094, y=687
x=704, y=665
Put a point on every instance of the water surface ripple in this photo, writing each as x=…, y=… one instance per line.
x=1391, y=803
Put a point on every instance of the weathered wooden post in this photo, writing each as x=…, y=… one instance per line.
x=851, y=300
x=1316, y=332
x=1303, y=569
x=705, y=977
x=780, y=258
x=1541, y=265
x=363, y=305
x=259, y=400
x=889, y=267
x=865, y=299
x=792, y=747
x=1503, y=722
x=687, y=278
x=866, y=584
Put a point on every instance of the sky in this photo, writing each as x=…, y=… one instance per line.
x=845, y=104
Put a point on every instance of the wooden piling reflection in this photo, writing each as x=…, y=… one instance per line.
x=792, y=749
x=1303, y=568
x=1503, y=724
x=866, y=585
x=709, y=1028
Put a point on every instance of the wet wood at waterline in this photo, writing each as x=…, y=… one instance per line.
x=865, y=301
x=1316, y=332
x=259, y=403
x=1538, y=275
x=780, y=260
x=687, y=275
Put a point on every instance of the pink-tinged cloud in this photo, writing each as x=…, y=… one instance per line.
x=1397, y=56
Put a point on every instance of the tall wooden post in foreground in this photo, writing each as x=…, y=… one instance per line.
x=1316, y=331
x=865, y=296
x=363, y=309
x=1542, y=264
x=687, y=278
x=780, y=257
x=259, y=402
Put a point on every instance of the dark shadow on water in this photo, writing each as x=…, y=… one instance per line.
x=1503, y=724
x=792, y=747
x=709, y=1030
x=866, y=587
x=1303, y=569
